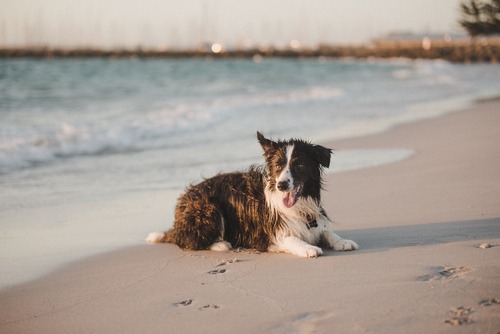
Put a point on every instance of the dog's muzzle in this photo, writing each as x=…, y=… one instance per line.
x=291, y=197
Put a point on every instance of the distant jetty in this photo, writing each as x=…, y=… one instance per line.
x=470, y=51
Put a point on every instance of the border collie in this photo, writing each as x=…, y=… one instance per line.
x=275, y=207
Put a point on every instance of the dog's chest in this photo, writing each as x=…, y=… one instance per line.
x=308, y=227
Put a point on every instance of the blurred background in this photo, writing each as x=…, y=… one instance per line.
x=177, y=24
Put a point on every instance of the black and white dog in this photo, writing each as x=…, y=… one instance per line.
x=275, y=207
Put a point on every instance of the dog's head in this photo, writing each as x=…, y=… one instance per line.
x=294, y=168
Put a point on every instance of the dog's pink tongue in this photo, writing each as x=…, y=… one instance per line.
x=289, y=199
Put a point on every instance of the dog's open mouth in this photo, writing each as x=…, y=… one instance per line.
x=291, y=197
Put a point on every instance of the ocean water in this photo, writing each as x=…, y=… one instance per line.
x=94, y=152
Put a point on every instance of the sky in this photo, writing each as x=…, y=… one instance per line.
x=233, y=23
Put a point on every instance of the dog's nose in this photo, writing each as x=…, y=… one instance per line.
x=283, y=185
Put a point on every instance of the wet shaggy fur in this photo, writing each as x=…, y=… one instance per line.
x=275, y=207
x=228, y=207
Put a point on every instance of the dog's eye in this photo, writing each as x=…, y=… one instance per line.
x=279, y=168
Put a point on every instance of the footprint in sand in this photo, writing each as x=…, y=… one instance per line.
x=489, y=301
x=183, y=303
x=209, y=306
x=444, y=273
x=217, y=271
x=459, y=316
x=188, y=302
x=224, y=262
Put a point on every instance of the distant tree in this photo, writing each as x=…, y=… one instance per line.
x=481, y=18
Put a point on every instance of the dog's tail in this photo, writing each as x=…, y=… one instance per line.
x=159, y=237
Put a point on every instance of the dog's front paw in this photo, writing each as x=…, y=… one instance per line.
x=345, y=245
x=311, y=251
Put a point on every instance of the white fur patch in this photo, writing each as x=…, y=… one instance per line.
x=286, y=174
x=155, y=237
x=295, y=217
x=221, y=246
x=295, y=237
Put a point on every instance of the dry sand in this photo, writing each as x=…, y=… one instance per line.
x=420, y=269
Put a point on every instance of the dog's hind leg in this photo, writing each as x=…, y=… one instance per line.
x=198, y=223
x=221, y=245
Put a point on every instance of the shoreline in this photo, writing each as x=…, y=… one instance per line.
x=418, y=221
x=63, y=251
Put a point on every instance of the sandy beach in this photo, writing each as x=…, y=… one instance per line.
x=420, y=268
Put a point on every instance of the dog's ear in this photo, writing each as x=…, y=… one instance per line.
x=268, y=146
x=322, y=155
